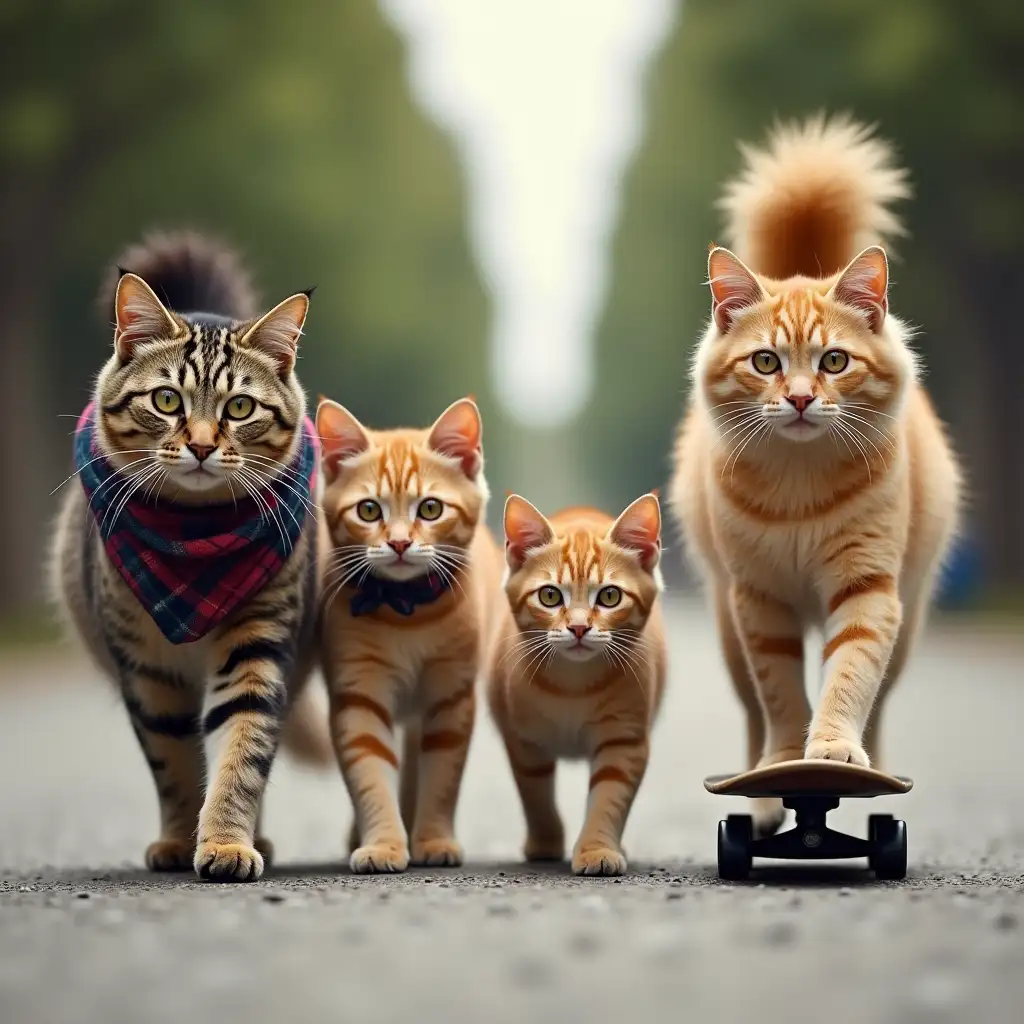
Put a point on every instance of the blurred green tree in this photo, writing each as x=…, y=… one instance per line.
x=287, y=129
x=945, y=81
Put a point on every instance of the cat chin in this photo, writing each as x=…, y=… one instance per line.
x=400, y=572
x=800, y=431
x=578, y=654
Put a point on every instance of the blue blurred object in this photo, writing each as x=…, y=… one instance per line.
x=962, y=575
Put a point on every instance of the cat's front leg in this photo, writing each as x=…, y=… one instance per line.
x=449, y=695
x=617, y=765
x=242, y=717
x=362, y=727
x=864, y=616
x=164, y=712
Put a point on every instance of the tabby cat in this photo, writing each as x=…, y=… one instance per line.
x=409, y=605
x=579, y=667
x=812, y=477
x=186, y=549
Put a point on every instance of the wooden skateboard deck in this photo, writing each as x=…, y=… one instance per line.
x=805, y=778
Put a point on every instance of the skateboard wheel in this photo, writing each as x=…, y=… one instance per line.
x=735, y=835
x=888, y=857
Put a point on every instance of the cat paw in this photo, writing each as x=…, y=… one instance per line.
x=441, y=853
x=821, y=749
x=170, y=855
x=599, y=860
x=266, y=848
x=228, y=862
x=540, y=848
x=379, y=858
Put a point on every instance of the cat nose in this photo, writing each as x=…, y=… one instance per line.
x=399, y=546
x=201, y=451
x=579, y=631
x=800, y=401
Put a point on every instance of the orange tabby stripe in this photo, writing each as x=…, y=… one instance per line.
x=847, y=636
x=865, y=585
x=369, y=746
x=814, y=511
x=448, y=703
x=621, y=741
x=785, y=646
x=344, y=701
x=532, y=771
x=587, y=691
x=609, y=773
x=443, y=739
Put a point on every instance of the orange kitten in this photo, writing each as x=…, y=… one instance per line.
x=813, y=479
x=579, y=667
x=409, y=602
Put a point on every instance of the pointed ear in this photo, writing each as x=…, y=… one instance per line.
x=525, y=529
x=341, y=436
x=864, y=285
x=141, y=316
x=733, y=287
x=639, y=529
x=457, y=433
x=277, y=333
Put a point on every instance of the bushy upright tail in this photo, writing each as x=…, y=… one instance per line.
x=816, y=195
x=189, y=272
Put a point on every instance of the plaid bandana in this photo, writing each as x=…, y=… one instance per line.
x=404, y=596
x=191, y=566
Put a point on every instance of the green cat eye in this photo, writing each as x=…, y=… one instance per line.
x=835, y=360
x=239, y=408
x=369, y=511
x=430, y=509
x=167, y=401
x=609, y=597
x=550, y=597
x=766, y=361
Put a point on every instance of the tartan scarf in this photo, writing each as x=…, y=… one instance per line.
x=191, y=566
x=404, y=596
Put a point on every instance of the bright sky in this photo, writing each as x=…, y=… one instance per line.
x=544, y=99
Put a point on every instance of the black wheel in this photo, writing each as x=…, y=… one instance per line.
x=888, y=857
x=735, y=835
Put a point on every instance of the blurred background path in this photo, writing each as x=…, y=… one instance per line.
x=86, y=935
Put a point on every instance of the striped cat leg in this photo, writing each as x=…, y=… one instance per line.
x=449, y=693
x=164, y=713
x=864, y=616
x=362, y=727
x=617, y=765
x=534, y=772
x=772, y=638
x=242, y=719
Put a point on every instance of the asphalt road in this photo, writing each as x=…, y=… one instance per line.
x=87, y=935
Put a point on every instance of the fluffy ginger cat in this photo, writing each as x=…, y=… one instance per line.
x=813, y=480
x=579, y=667
x=410, y=597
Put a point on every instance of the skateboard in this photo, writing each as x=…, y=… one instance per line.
x=811, y=789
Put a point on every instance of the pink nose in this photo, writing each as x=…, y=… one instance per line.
x=579, y=631
x=399, y=546
x=201, y=451
x=800, y=401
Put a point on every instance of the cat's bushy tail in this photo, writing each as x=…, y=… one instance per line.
x=191, y=273
x=815, y=195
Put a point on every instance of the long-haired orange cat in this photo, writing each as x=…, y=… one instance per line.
x=813, y=479
x=409, y=600
x=579, y=667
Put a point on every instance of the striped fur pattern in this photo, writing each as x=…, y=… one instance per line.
x=401, y=504
x=812, y=478
x=579, y=667
x=198, y=408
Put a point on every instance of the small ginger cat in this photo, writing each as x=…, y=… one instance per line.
x=579, y=667
x=813, y=479
x=409, y=603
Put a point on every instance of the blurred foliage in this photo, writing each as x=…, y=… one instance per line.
x=286, y=129
x=945, y=81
